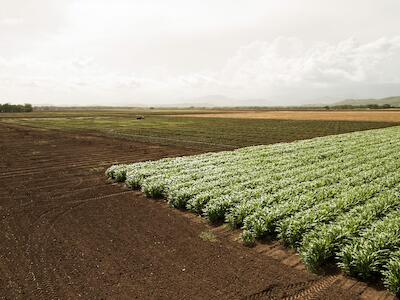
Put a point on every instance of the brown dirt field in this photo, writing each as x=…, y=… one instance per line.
x=67, y=233
x=373, y=115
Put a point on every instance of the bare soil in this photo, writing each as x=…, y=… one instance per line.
x=67, y=233
x=354, y=115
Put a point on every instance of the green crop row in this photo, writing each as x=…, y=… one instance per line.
x=335, y=199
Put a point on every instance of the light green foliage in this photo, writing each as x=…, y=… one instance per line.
x=117, y=173
x=324, y=241
x=391, y=273
x=334, y=198
x=366, y=255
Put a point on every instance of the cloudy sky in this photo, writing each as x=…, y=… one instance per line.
x=160, y=52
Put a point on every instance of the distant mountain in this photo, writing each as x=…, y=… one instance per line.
x=393, y=101
x=213, y=101
x=216, y=101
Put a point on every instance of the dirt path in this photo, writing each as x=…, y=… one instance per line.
x=67, y=233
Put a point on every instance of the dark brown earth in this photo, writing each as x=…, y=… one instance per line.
x=67, y=233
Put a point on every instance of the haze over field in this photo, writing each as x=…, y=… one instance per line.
x=289, y=52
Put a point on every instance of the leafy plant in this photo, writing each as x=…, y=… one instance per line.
x=334, y=198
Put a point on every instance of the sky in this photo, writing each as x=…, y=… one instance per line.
x=189, y=52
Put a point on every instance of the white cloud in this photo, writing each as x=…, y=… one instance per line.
x=286, y=62
x=137, y=51
x=270, y=70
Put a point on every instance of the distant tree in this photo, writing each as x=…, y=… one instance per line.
x=7, y=107
x=28, y=107
x=10, y=108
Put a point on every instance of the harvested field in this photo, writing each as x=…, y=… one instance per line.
x=68, y=233
x=366, y=116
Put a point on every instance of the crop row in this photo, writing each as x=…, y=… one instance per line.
x=335, y=199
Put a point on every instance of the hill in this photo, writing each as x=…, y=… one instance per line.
x=393, y=101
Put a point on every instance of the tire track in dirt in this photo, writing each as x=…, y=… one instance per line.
x=67, y=233
x=50, y=217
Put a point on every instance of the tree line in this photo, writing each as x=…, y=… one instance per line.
x=366, y=106
x=15, y=108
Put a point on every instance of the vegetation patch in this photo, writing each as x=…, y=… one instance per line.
x=333, y=198
x=208, y=236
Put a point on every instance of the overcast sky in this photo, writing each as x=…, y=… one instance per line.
x=160, y=52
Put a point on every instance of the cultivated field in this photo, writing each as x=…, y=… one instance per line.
x=208, y=134
x=341, y=115
x=68, y=233
x=333, y=198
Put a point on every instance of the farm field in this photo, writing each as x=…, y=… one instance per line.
x=199, y=150
x=66, y=232
x=65, y=224
x=335, y=199
x=391, y=115
x=207, y=134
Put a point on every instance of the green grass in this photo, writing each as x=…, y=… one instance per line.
x=200, y=133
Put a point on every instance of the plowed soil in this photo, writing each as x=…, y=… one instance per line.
x=67, y=233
